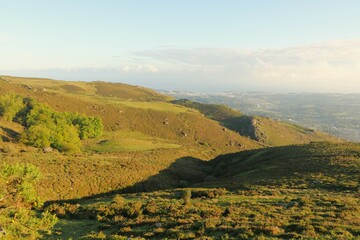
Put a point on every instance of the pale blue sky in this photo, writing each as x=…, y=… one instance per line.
x=247, y=45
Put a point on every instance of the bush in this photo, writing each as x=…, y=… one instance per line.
x=151, y=207
x=209, y=193
x=19, y=198
x=118, y=202
x=134, y=210
x=187, y=197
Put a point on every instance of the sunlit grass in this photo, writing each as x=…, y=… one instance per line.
x=127, y=141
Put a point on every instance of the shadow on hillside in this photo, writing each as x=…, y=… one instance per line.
x=184, y=172
x=11, y=135
x=244, y=125
x=308, y=165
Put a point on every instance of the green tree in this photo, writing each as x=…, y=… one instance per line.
x=10, y=106
x=45, y=127
x=88, y=127
x=39, y=113
x=37, y=136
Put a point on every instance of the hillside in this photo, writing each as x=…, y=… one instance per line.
x=144, y=120
x=104, y=89
x=333, y=113
x=266, y=131
x=140, y=138
x=293, y=192
x=324, y=165
x=161, y=168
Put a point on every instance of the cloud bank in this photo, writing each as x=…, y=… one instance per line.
x=326, y=67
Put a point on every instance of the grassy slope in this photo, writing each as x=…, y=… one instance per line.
x=164, y=120
x=264, y=130
x=276, y=133
x=141, y=138
x=317, y=165
x=303, y=192
x=283, y=192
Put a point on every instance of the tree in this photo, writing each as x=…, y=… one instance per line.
x=45, y=127
x=37, y=136
x=10, y=106
x=88, y=127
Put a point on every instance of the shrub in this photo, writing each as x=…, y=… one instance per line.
x=151, y=207
x=19, y=198
x=134, y=209
x=37, y=136
x=187, y=196
x=118, y=202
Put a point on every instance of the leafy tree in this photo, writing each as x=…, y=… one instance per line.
x=45, y=127
x=19, y=218
x=10, y=105
x=39, y=113
x=66, y=138
x=37, y=136
x=88, y=127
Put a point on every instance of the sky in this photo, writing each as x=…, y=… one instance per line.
x=188, y=45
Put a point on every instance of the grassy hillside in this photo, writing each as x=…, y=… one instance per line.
x=264, y=130
x=324, y=165
x=105, y=89
x=294, y=192
x=152, y=119
x=141, y=138
x=275, y=133
x=214, y=111
x=165, y=169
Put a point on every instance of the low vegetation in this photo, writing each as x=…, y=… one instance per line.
x=260, y=213
x=19, y=204
x=294, y=192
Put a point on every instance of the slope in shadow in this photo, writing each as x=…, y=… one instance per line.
x=334, y=167
x=184, y=172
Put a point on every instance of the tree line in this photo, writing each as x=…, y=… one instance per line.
x=45, y=127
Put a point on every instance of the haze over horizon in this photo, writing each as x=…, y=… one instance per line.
x=207, y=46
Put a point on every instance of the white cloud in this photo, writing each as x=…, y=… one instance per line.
x=325, y=67
x=332, y=66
